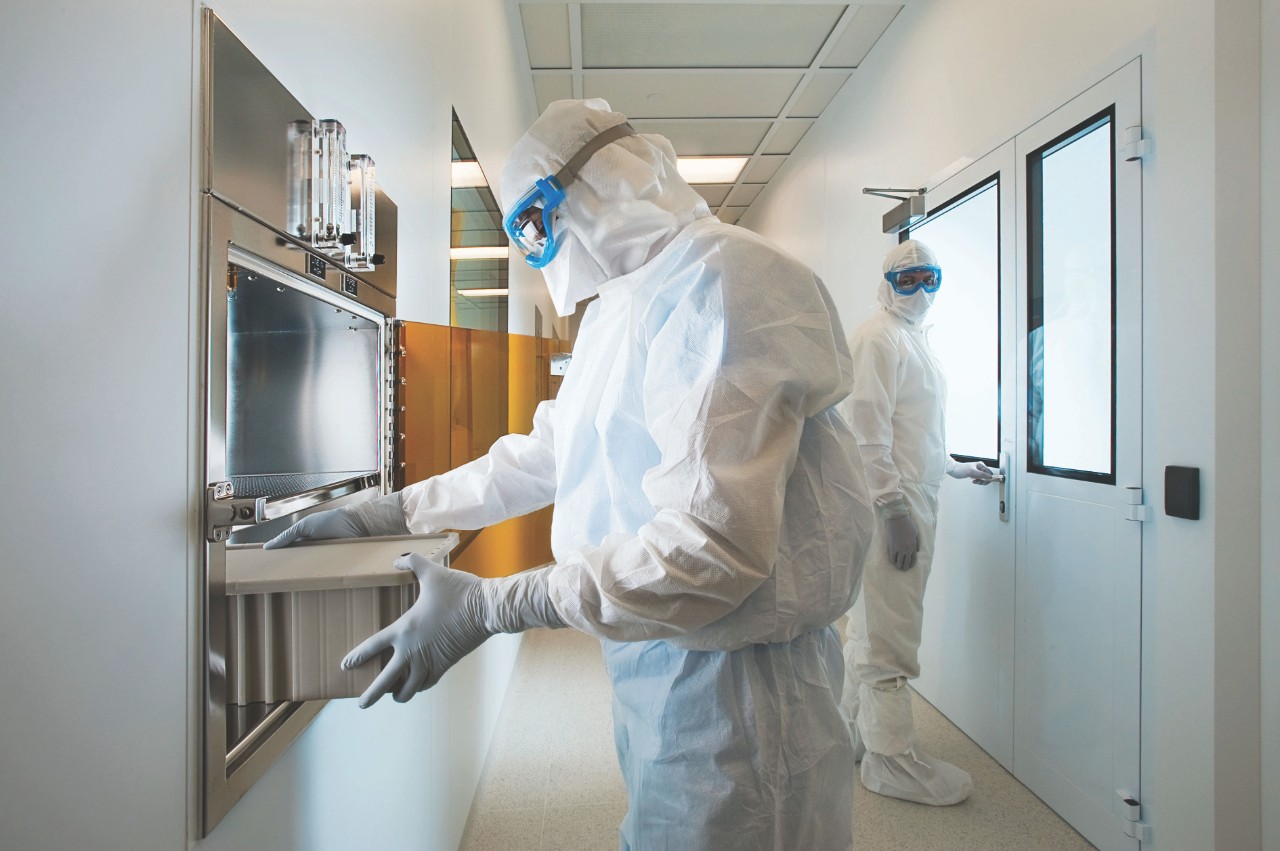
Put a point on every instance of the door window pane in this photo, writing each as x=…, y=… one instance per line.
x=1070, y=347
x=965, y=316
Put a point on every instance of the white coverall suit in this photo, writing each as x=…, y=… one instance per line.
x=710, y=523
x=897, y=412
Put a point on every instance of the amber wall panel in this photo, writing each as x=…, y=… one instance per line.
x=463, y=389
x=423, y=398
x=521, y=542
x=478, y=392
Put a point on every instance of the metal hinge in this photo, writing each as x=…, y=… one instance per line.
x=1131, y=817
x=1135, y=147
x=1135, y=509
x=219, y=511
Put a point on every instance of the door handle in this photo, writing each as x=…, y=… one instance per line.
x=1003, y=477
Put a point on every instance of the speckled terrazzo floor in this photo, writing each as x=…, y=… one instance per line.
x=552, y=782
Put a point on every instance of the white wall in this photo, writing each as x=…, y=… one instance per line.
x=901, y=122
x=98, y=515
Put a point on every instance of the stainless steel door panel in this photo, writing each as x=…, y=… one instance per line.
x=248, y=160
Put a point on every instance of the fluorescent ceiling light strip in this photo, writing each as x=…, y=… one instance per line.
x=711, y=169
x=482, y=292
x=467, y=173
x=480, y=252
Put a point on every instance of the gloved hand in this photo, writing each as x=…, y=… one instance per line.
x=382, y=515
x=454, y=614
x=900, y=533
x=980, y=473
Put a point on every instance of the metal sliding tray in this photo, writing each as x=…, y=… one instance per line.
x=294, y=613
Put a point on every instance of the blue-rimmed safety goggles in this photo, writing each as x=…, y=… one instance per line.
x=912, y=279
x=531, y=223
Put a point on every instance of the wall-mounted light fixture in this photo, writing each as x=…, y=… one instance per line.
x=907, y=213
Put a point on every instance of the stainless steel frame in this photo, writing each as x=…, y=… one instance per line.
x=228, y=772
x=245, y=114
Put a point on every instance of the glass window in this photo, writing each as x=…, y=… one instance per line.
x=965, y=236
x=477, y=278
x=1070, y=345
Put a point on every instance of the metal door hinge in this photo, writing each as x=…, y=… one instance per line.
x=1135, y=147
x=219, y=511
x=1134, y=508
x=1131, y=817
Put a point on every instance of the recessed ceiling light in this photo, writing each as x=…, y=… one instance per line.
x=467, y=173
x=482, y=292
x=711, y=169
x=480, y=252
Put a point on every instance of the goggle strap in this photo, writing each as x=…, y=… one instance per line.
x=566, y=175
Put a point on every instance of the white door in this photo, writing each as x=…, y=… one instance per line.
x=1078, y=574
x=1031, y=638
x=966, y=652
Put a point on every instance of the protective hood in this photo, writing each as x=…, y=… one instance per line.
x=626, y=204
x=909, y=307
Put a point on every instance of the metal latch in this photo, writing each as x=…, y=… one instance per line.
x=1135, y=509
x=1131, y=817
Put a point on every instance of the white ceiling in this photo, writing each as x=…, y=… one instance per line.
x=728, y=79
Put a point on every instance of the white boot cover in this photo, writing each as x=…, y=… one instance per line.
x=916, y=776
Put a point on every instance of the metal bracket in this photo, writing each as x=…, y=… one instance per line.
x=1131, y=817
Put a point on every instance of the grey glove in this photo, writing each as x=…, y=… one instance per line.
x=900, y=533
x=382, y=515
x=454, y=614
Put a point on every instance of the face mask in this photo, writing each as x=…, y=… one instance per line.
x=575, y=275
x=910, y=307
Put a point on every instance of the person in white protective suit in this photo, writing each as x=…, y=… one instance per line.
x=896, y=411
x=710, y=522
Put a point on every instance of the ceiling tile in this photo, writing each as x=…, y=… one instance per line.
x=821, y=89
x=704, y=35
x=551, y=87
x=789, y=133
x=546, y=34
x=762, y=169
x=713, y=193
x=744, y=194
x=868, y=24
x=727, y=95
x=709, y=138
x=730, y=215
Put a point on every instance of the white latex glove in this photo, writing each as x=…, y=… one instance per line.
x=382, y=515
x=454, y=614
x=980, y=473
x=900, y=533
